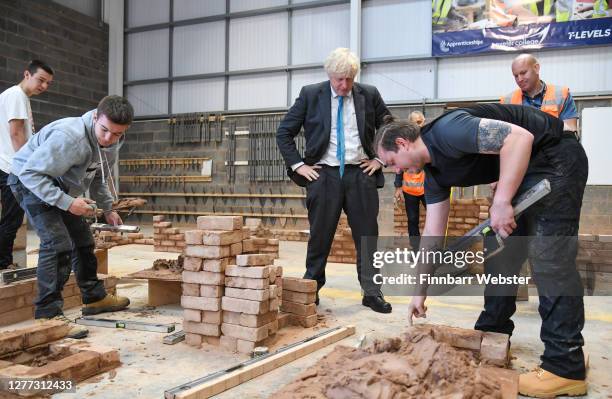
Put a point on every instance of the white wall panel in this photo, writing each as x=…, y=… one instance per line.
x=258, y=91
x=150, y=99
x=258, y=42
x=147, y=54
x=392, y=28
x=316, y=32
x=87, y=7
x=188, y=9
x=199, y=49
x=198, y=95
x=244, y=5
x=401, y=81
x=305, y=77
x=147, y=12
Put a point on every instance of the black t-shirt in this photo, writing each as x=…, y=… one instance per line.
x=452, y=141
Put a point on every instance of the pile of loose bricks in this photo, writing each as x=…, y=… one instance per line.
x=465, y=214
x=16, y=299
x=165, y=237
x=260, y=240
x=233, y=299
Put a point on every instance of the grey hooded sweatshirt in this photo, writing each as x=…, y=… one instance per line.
x=64, y=160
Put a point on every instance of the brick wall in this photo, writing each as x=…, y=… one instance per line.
x=75, y=45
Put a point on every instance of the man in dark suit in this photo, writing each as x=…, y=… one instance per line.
x=339, y=168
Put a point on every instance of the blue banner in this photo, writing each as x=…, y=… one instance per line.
x=524, y=37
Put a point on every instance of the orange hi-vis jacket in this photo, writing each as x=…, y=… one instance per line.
x=552, y=102
x=414, y=183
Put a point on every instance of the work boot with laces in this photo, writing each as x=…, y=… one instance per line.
x=540, y=383
x=110, y=303
x=76, y=331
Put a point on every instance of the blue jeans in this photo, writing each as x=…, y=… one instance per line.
x=62, y=236
x=10, y=221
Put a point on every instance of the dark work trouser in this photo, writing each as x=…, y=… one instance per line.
x=412, y=202
x=62, y=236
x=552, y=245
x=10, y=221
x=326, y=197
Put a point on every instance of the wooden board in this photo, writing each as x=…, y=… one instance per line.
x=230, y=380
x=163, y=292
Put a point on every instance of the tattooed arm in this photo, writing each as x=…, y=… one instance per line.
x=513, y=144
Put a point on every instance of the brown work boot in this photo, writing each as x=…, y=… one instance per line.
x=110, y=303
x=76, y=331
x=544, y=384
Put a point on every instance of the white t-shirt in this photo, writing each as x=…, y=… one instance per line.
x=14, y=104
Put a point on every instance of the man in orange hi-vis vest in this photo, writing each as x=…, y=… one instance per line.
x=409, y=188
x=552, y=99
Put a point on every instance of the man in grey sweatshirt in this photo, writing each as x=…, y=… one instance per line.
x=48, y=177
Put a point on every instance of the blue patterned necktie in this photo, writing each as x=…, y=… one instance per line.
x=340, y=136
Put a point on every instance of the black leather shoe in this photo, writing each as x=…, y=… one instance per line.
x=377, y=304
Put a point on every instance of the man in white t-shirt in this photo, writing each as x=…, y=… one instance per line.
x=16, y=127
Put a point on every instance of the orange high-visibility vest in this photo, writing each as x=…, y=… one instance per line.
x=413, y=183
x=552, y=103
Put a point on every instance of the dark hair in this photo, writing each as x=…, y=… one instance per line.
x=116, y=108
x=392, y=129
x=35, y=65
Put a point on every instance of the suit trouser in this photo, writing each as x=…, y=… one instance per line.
x=62, y=236
x=551, y=247
x=10, y=221
x=326, y=197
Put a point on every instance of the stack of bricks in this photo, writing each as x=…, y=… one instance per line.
x=253, y=288
x=343, y=247
x=16, y=299
x=595, y=255
x=465, y=214
x=114, y=238
x=165, y=237
x=291, y=235
x=209, y=250
x=299, y=297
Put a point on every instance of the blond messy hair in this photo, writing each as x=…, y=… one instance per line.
x=342, y=62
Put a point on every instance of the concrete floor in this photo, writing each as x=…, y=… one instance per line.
x=149, y=367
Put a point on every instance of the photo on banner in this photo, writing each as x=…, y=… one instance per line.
x=462, y=27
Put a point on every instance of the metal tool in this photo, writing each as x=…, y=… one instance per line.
x=174, y=338
x=11, y=276
x=493, y=242
x=126, y=324
x=122, y=228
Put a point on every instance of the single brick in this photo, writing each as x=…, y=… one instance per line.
x=207, y=251
x=192, y=264
x=253, y=320
x=201, y=328
x=243, y=293
x=494, y=348
x=208, y=278
x=245, y=333
x=211, y=317
x=219, y=222
x=194, y=237
x=192, y=315
x=221, y=237
x=254, y=260
x=303, y=321
x=201, y=303
x=232, y=317
x=159, y=218
x=299, y=284
x=191, y=289
x=298, y=308
x=211, y=291
x=235, y=249
x=248, y=272
x=251, y=283
x=299, y=297
x=215, y=265
x=244, y=305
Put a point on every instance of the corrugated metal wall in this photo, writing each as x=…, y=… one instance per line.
x=390, y=29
